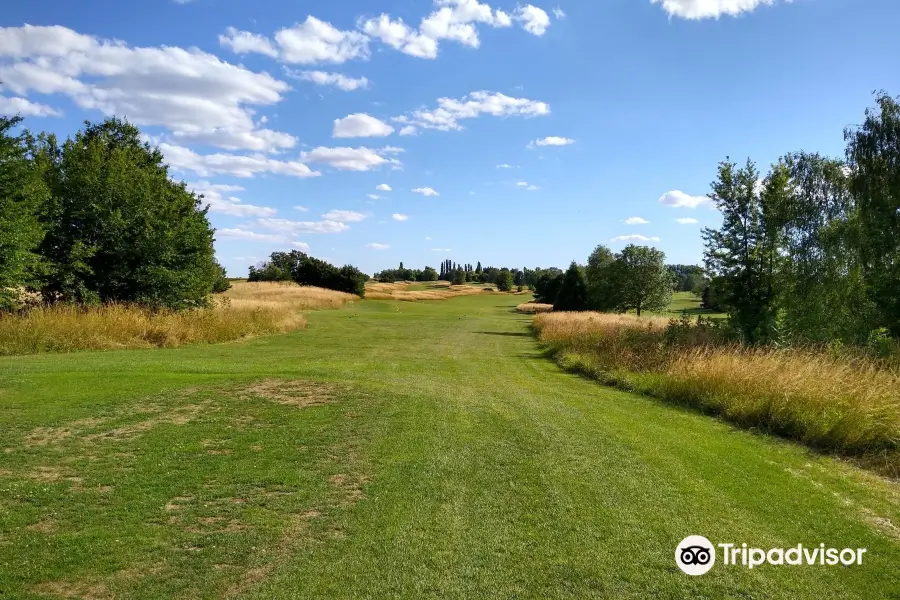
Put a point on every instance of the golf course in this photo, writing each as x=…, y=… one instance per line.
x=401, y=450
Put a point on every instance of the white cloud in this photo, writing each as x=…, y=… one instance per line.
x=426, y=191
x=527, y=186
x=383, y=188
x=377, y=246
x=344, y=216
x=709, y=9
x=192, y=93
x=348, y=84
x=374, y=197
x=214, y=196
x=348, y=159
x=442, y=249
x=552, y=141
x=559, y=13
x=400, y=217
x=408, y=130
x=634, y=238
x=310, y=42
x=678, y=199
x=244, y=42
x=636, y=221
x=533, y=19
x=286, y=226
x=301, y=208
x=450, y=111
x=400, y=36
x=301, y=245
x=21, y=106
x=505, y=166
x=243, y=234
x=687, y=221
x=360, y=125
x=205, y=165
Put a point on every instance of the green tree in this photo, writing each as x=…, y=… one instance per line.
x=873, y=151
x=642, y=280
x=742, y=253
x=459, y=276
x=572, y=293
x=221, y=284
x=23, y=195
x=118, y=229
x=600, y=278
x=504, y=280
x=428, y=274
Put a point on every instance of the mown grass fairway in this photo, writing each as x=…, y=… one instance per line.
x=400, y=450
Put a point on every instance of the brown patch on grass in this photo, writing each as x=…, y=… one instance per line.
x=291, y=393
x=178, y=502
x=223, y=452
x=45, y=526
x=46, y=436
x=75, y=589
x=179, y=415
x=349, y=487
x=45, y=474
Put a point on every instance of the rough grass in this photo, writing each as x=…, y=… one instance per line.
x=410, y=292
x=836, y=403
x=531, y=308
x=247, y=309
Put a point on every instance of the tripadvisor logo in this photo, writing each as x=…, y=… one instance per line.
x=696, y=555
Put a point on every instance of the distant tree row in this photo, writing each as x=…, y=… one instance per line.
x=305, y=270
x=403, y=274
x=96, y=218
x=811, y=251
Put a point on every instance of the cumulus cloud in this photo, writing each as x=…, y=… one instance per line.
x=534, y=20
x=559, y=13
x=301, y=208
x=21, y=106
x=342, y=82
x=216, y=197
x=377, y=246
x=344, y=216
x=450, y=111
x=710, y=9
x=192, y=93
x=527, y=186
x=374, y=197
x=360, y=125
x=348, y=159
x=288, y=227
x=400, y=217
x=634, y=238
x=383, y=187
x=678, y=199
x=552, y=141
x=426, y=191
x=408, y=130
x=303, y=246
x=310, y=42
x=687, y=221
x=184, y=159
x=243, y=234
x=636, y=221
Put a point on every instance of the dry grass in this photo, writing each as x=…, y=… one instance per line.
x=248, y=309
x=438, y=291
x=847, y=404
x=532, y=308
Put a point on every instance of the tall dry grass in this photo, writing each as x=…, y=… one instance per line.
x=533, y=308
x=246, y=310
x=437, y=291
x=846, y=404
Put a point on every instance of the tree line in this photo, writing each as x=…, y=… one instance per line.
x=96, y=218
x=811, y=251
x=305, y=270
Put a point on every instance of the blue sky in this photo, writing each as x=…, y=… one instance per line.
x=605, y=112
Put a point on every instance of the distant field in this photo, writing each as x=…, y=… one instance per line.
x=689, y=303
x=400, y=450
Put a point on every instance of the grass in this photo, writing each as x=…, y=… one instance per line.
x=531, y=308
x=413, y=292
x=689, y=303
x=246, y=310
x=829, y=402
x=399, y=450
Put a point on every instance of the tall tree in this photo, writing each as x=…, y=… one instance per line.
x=873, y=151
x=504, y=281
x=23, y=194
x=572, y=294
x=599, y=274
x=642, y=279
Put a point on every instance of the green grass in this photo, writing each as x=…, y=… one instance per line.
x=688, y=303
x=443, y=456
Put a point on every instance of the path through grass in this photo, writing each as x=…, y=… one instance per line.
x=399, y=450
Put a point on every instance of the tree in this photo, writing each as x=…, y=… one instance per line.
x=642, y=279
x=504, y=280
x=279, y=267
x=873, y=151
x=742, y=253
x=459, y=276
x=547, y=287
x=599, y=275
x=572, y=293
x=428, y=274
x=23, y=195
x=221, y=283
x=118, y=228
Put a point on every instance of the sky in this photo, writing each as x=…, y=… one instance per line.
x=372, y=132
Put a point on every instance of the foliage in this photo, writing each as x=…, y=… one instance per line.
x=641, y=279
x=572, y=294
x=547, y=287
x=600, y=277
x=428, y=274
x=458, y=277
x=222, y=284
x=504, y=281
x=279, y=267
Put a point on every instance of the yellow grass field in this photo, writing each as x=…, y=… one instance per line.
x=247, y=309
x=849, y=405
x=532, y=308
x=411, y=292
